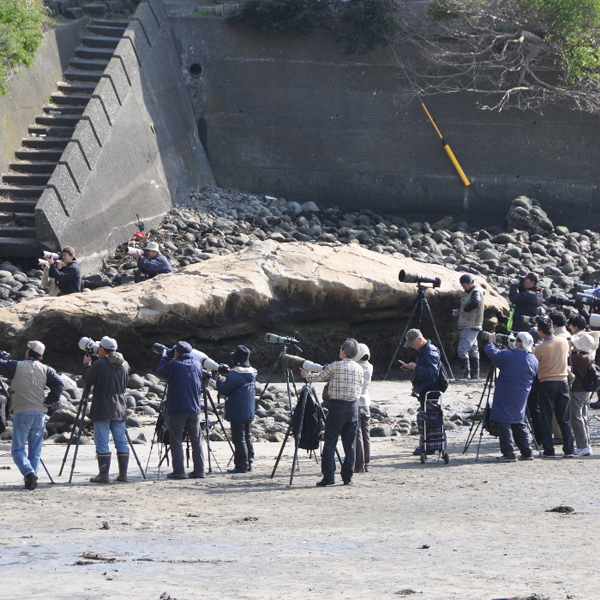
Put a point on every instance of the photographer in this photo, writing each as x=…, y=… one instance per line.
x=345, y=379
x=363, y=431
x=183, y=375
x=527, y=298
x=29, y=378
x=150, y=263
x=108, y=376
x=68, y=276
x=582, y=356
x=470, y=322
x=239, y=388
x=518, y=368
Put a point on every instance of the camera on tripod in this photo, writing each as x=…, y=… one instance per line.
x=272, y=338
x=562, y=301
x=297, y=363
x=410, y=277
x=589, y=299
x=89, y=346
x=502, y=339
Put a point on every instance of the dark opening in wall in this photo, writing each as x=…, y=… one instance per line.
x=195, y=69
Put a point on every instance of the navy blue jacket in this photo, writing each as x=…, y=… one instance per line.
x=68, y=278
x=427, y=371
x=527, y=303
x=184, y=377
x=239, y=389
x=158, y=264
x=517, y=370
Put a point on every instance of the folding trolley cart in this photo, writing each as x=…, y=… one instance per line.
x=432, y=434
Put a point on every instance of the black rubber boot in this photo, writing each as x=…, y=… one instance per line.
x=474, y=364
x=123, y=460
x=103, y=469
x=464, y=365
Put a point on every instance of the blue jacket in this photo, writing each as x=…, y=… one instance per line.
x=68, y=278
x=158, y=264
x=184, y=378
x=517, y=370
x=427, y=371
x=239, y=388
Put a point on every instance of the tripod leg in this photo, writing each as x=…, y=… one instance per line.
x=47, y=472
x=410, y=318
x=208, y=451
x=137, y=460
x=285, y=439
x=475, y=424
x=273, y=371
x=82, y=403
x=303, y=395
x=439, y=340
x=530, y=429
x=220, y=421
x=78, y=426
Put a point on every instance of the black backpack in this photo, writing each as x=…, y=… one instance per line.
x=591, y=380
x=442, y=382
x=309, y=429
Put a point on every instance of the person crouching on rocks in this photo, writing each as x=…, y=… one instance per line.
x=239, y=390
x=363, y=431
x=108, y=377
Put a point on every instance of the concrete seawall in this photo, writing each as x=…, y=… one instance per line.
x=293, y=116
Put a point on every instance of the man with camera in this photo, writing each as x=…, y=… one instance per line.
x=518, y=368
x=238, y=388
x=345, y=379
x=470, y=322
x=553, y=389
x=29, y=379
x=68, y=276
x=107, y=378
x=527, y=298
x=151, y=262
x=183, y=375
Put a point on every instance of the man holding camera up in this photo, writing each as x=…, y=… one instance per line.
x=151, y=262
x=518, y=367
x=108, y=376
x=345, y=379
x=527, y=298
x=183, y=375
x=470, y=322
x=68, y=276
x=29, y=378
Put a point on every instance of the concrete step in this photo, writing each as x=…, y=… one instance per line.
x=17, y=205
x=26, y=179
x=97, y=53
x=70, y=99
x=76, y=87
x=100, y=41
x=17, y=231
x=18, y=191
x=47, y=131
x=78, y=75
x=34, y=156
x=58, y=120
x=26, y=166
x=19, y=247
x=106, y=30
x=63, y=109
x=20, y=219
x=45, y=143
x=89, y=64
x=117, y=23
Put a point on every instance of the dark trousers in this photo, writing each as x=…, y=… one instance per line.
x=534, y=414
x=178, y=423
x=363, y=438
x=521, y=438
x=341, y=420
x=242, y=442
x=553, y=397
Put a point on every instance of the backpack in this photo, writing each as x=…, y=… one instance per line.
x=307, y=432
x=591, y=380
x=442, y=382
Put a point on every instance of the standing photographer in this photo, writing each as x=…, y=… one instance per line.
x=29, y=378
x=183, y=375
x=239, y=388
x=363, y=431
x=151, y=262
x=345, y=379
x=68, y=276
x=518, y=368
x=527, y=298
x=470, y=322
x=582, y=356
x=108, y=376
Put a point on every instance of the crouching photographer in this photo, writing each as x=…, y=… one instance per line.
x=518, y=367
x=239, y=390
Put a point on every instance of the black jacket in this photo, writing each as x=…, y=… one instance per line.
x=68, y=278
x=527, y=303
x=108, y=376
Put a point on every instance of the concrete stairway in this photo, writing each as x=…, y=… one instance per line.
x=41, y=150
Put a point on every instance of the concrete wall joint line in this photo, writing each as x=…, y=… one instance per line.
x=76, y=141
x=99, y=97
x=65, y=163
x=143, y=29
x=51, y=186
x=109, y=77
x=89, y=120
x=123, y=64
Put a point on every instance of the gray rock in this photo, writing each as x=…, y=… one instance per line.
x=381, y=431
x=133, y=422
x=135, y=382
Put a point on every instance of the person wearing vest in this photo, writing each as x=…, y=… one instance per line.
x=29, y=379
x=108, y=376
x=470, y=322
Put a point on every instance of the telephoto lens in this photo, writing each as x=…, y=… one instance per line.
x=53, y=255
x=410, y=277
x=89, y=346
x=507, y=280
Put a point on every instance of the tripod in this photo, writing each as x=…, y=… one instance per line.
x=479, y=424
x=417, y=310
x=78, y=427
x=6, y=393
x=306, y=392
x=289, y=375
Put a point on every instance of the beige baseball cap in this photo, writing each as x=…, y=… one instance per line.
x=37, y=347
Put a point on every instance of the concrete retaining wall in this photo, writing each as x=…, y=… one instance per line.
x=135, y=151
x=294, y=117
x=30, y=88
